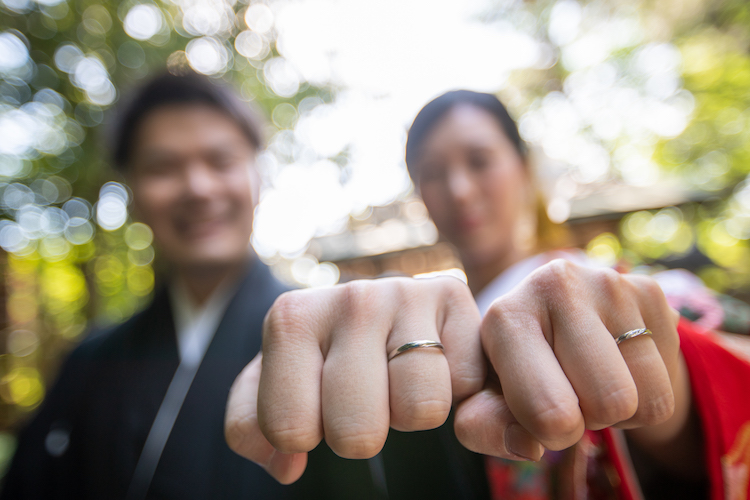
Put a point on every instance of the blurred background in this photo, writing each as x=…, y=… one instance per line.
x=637, y=113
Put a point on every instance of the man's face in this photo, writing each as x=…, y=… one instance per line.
x=194, y=182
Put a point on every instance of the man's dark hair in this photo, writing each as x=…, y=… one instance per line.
x=167, y=89
x=436, y=109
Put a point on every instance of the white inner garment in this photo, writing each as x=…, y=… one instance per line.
x=515, y=274
x=196, y=325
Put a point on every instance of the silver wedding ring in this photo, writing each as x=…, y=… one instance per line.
x=414, y=345
x=632, y=334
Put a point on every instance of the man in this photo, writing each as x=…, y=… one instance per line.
x=187, y=152
x=138, y=411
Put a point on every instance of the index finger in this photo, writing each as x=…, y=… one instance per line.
x=534, y=384
x=289, y=391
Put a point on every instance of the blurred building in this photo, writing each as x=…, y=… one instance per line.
x=400, y=239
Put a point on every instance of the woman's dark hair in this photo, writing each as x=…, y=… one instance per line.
x=167, y=89
x=433, y=111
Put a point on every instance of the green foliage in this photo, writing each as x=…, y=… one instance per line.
x=63, y=65
x=713, y=153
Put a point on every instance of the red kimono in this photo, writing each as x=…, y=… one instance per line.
x=720, y=382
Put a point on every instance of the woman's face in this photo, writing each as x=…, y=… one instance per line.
x=474, y=184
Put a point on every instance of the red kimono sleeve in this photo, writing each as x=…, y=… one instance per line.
x=720, y=382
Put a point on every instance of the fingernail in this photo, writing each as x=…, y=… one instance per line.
x=522, y=444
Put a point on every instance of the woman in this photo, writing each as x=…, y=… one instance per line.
x=470, y=165
x=552, y=357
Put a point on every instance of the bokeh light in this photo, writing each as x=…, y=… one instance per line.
x=112, y=207
x=13, y=53
x=607, y=94
x=251, y=45
x=259, y=18
x=143, y=21
x=207, y=55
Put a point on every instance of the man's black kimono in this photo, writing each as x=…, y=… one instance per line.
x=86, y=439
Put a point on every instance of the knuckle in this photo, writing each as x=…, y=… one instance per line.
x=357, y=443
x=284, y=312
x=287, y=302
x=656, y=410
x=501, y=317
x=502, y=309
x=562, y=267
x=404, y=290
x=649, y=289
x=616, y=406
x=287, y=437
x=467, y=378
x=455, y=288
x=498, y=309
x=611, y=284
x=559, y=270
x=474, y=432
x=480, y=424
x=560, y=425
x=423, y=415
x=556, y=278
x=358, y=295
x=494, y=320
x=467, y=425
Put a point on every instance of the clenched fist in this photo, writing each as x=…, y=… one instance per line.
x=554, y=367
x=557, y=369
x=324, y=370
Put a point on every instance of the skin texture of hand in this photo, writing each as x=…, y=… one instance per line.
x=325, y=371
x=555, y=368
x=551, y=343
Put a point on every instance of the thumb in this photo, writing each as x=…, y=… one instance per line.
x=484, y=424
x=243, y=433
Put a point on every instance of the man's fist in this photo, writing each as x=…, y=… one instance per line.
x=325, y=372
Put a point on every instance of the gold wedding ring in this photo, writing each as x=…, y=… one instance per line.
x=632, y=334
x=414, y=345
